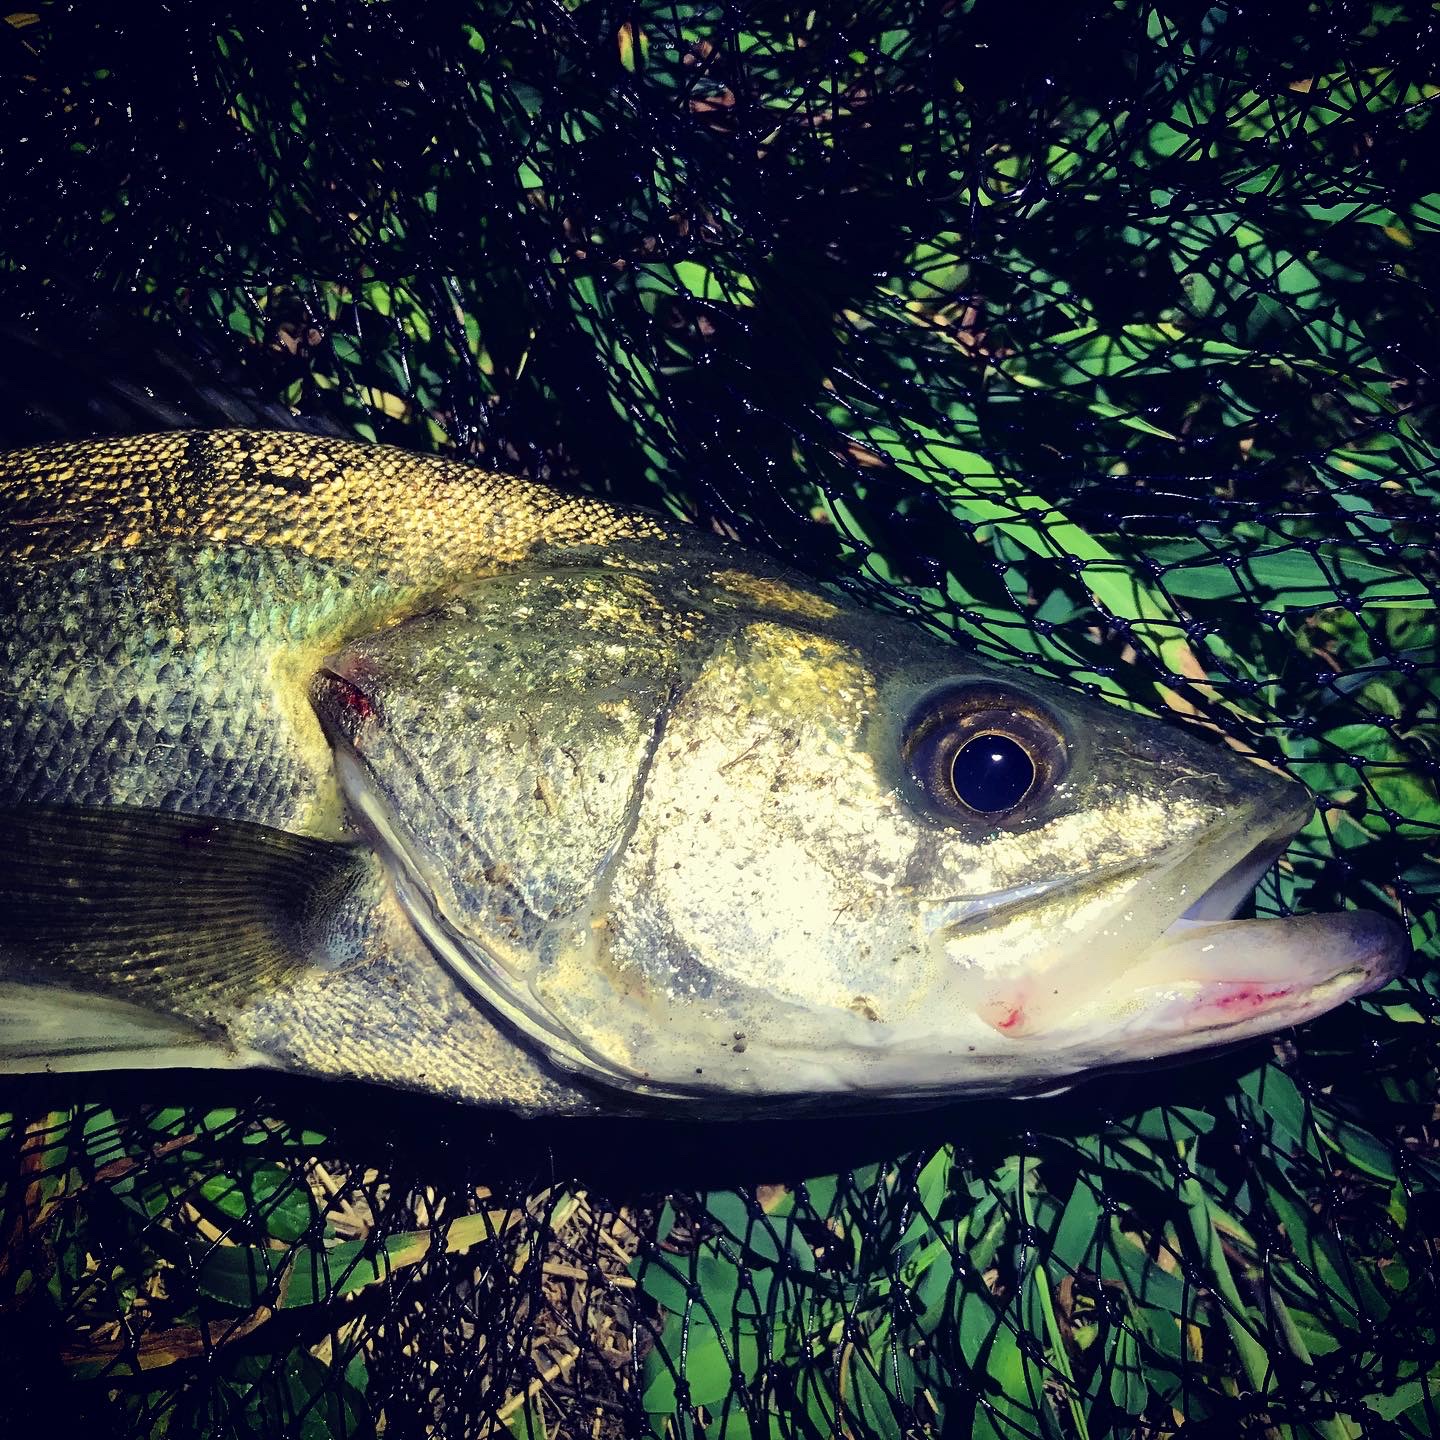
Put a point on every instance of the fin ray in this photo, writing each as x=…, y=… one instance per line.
x=157, y=925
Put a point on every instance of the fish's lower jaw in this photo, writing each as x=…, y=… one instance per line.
x=1244, y=967
x=1262, y=1007
x=1204, y=984
x=1200, y=1014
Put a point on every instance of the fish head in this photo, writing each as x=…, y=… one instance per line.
x=701, y=832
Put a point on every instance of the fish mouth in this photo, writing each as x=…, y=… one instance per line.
x=1229, y=974
x=1210, y=978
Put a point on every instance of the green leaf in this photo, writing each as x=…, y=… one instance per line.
x=870, y=1403
x=705, y=284
x=246, y=1276
x=1277, y=1106
x=1128, y=1389
x=268, y=1197
x=1413, y=1395
x=103, y=1137
x=1359, y=1147
x=1079, y=1227
x=705, y=1366
x=1015, y=1403
x=974, y=488
x=1290, y=578
x=1123, y=1259
x=935, y=1294
x=1173, y=1123
x=1328, y=1274
x=664, y=1279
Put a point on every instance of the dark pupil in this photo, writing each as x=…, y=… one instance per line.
x=992, y=772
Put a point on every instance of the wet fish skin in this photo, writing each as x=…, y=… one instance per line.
x=166, y=597
x=588, y=811
x=163, y=602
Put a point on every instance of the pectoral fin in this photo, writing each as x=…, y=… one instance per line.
x=127, y=936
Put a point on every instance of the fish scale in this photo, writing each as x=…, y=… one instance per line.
x=91, y=719
x=417, y=520
x=279, y=547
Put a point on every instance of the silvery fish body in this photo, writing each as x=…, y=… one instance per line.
x=333, y=758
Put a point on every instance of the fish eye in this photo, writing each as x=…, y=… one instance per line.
x=984, y=753
x=992, y=772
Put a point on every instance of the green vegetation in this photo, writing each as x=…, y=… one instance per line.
x=1126, y=383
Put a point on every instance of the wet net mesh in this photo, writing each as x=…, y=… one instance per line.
x=1100, y=337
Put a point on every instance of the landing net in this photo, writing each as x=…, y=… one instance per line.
x=1101, y=338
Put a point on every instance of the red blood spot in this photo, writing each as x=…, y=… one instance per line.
x=1250, y=999
x=349, y=704
x=1007, y=1014
x=356, y=701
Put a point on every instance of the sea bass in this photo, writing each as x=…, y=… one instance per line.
x=329, y=757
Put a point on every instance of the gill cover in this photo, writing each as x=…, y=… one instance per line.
x=616, y=803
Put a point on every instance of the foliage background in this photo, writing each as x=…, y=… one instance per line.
x=1099, y=337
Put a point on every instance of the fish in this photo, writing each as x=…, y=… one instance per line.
x=325, y=757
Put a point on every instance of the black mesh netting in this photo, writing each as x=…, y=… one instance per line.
x=1101, y=336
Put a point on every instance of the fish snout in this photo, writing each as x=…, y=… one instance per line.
x=1236, y=787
